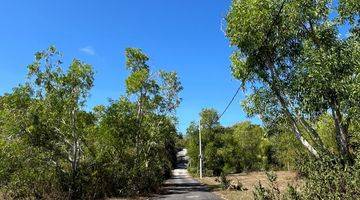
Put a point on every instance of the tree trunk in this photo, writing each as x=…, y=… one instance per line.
x=294, y=125
x=314, y=135
x=341, y=131
x=74, y=152
x=292, y=120
x=75, y=143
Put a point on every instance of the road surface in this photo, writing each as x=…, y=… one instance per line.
x=182, y=186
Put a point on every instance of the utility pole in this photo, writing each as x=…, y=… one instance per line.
x=200, y=150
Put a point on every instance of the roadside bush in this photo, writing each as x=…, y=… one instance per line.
x=272, y=192
x=331, y=178
x=324, y=178
x=291, y=193
x=224, y=181
x=229, y=184
x=262, y=193
x=25, y=173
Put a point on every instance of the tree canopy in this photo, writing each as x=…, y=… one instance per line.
x=291, y=55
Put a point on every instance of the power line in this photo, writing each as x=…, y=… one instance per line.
x=267, y=37
x=228, y=105
x=215, y=119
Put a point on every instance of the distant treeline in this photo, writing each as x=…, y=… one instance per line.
x=242, y=147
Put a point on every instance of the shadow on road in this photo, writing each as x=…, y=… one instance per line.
x=182, y=186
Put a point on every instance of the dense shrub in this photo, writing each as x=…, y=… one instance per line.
x=331, y=178
x=272, y=191
x=325, y=178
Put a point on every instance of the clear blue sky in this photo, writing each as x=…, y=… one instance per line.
x=178, y=35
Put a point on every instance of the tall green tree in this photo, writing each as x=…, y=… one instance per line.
x=192, y=146
x=138, y=131
x=211, y=133
x=291, y=56
x=153, y=93
x=62, y=95
x=54, y=122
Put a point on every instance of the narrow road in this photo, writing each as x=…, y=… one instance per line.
x=183, y=186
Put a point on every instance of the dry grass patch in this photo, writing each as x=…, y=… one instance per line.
x=249, y=180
